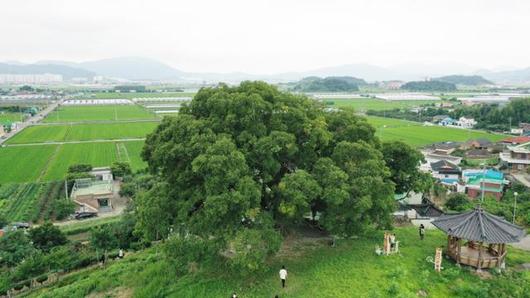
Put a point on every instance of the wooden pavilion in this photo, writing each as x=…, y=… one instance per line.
x=485, y=237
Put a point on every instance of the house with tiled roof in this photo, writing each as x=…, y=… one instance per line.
x=516, y=140
x=516, y=158
x=447, y=172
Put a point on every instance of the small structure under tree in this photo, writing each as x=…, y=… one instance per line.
x=485, y=234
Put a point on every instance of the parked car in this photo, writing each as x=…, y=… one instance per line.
x=83, y=215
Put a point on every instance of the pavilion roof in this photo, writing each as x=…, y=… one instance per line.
x=479, y=225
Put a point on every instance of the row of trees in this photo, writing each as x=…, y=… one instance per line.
x=241, y=164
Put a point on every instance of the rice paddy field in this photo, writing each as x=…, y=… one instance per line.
x=99, y=113
x=24, y=164
x=12, y=117
x=416, y=134
x=82, y=132
x=365, y=104
x=50, y=162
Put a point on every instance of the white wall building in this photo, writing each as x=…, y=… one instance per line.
x=46, y=78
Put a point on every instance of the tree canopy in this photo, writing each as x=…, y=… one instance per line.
x=245, y=160
x=429, y=86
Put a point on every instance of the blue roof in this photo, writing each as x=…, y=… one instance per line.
x=490, y=174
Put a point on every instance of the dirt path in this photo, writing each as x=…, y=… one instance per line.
x=77, y=142
x=523, y=244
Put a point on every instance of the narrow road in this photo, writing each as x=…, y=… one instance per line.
x=524, y=244
x=32, y=120
x=77, y=142
x=97, y=122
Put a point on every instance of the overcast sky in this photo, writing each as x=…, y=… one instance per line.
x=269, y=36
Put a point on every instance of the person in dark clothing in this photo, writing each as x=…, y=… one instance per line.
x=422, y=231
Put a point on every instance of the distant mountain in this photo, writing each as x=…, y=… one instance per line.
x=328, y=84
x=66, y=71
x=464, y=80
x=133, y=68
x=518, y=76
x=429, y=86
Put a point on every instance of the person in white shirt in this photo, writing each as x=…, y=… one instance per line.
x=283, y=276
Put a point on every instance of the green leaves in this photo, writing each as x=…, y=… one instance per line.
x=298, y=191
x=238, y=161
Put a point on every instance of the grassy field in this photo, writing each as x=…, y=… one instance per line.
x=108, y=95
x=8, y=116
x=82, y=132
x=99, y=113
x=24, y=164
x=315, y=270
x=365, y=104
x=415, y=134
x=49, y=162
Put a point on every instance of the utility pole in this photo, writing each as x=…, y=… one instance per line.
x=482, y=183
x=515, y=194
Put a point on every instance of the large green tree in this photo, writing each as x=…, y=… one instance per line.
x=245, y=160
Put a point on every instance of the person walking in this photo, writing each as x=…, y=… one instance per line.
x=283, y=276
x=422, y=231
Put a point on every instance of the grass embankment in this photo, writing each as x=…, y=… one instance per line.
x=98, y=113
x=315, y=270
x=416, y=134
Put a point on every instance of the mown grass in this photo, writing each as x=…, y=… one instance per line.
x=82, y=132
x=416, y=134
x=315, y=270
x=98, y=113
x=365, y=104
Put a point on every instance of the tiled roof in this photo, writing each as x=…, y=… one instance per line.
x=479, y=225
x=517, y=140
x=444, y=165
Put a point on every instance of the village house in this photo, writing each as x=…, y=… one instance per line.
x=516, y=140
x=445, y=171
x=467, y=123
x=477, y=144
x=94, y=194
x=416, y=208
x=490, y=181
x=447, y=121
x=516, y=158
x=525, y=128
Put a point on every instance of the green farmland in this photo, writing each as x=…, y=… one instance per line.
x=82, y=132
x=12, y=117
x=415, y=134
x=365, y=104
x=99, y=113
x=50, y=162
x=24, y=164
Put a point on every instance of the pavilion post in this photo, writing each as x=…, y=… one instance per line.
x=479, y=265
x=459, y=250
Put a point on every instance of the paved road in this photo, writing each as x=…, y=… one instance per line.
x=77, y=142
x=32, y=120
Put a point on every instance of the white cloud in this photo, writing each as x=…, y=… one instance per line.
x=269, y=36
